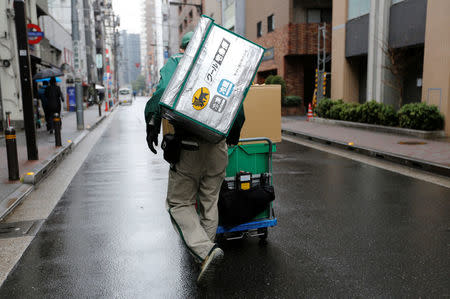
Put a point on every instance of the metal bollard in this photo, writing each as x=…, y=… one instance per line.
x=57, y=126
x=100, y=109
x=11, y=152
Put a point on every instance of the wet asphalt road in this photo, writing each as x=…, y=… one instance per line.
x=345, y=229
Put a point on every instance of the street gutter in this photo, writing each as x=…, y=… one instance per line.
x=399, y=159
x=42, y=170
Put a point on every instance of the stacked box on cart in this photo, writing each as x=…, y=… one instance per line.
x=211, y=81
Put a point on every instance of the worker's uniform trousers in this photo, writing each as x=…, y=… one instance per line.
x=192, y=195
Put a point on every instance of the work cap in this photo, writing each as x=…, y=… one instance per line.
x=185, y=40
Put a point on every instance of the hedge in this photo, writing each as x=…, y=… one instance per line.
x=419, y=116
x=291, y=101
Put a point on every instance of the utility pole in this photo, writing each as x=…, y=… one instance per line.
x=321, y=60
x=116, y=23
x=76, y=54
x=25, y=78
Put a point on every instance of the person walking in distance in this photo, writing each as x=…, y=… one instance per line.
x=198, y=174
x=43, y=98
x=54, y=98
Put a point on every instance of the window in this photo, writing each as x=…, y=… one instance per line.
x=313, y=16
x=179, y=9
x=259, y=29
x=316, y=15
x=180, y=29
x=357, y=8
x=270, y=23
x=185, y=22
x=190, y=15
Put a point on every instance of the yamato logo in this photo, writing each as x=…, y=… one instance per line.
x=200, y=98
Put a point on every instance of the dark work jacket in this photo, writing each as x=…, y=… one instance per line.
x=54, y=98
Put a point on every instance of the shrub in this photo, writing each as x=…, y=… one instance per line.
x=388, y=116
x=336, y=109
x=323, y=108
x=350, y=112
x=279, y=80
x=269, y=79
x=291, y=101
x=370, y=112
x=420, y=116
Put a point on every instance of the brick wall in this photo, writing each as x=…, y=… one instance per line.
x=290, y=43
x=278, y=39
x=294, y=76
x=303, y=39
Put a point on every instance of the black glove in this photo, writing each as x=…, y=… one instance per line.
x=152, y=137
x=233, y=136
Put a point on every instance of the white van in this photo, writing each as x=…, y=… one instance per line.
x=125, y=96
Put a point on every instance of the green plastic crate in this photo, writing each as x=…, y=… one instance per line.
x=252, y=158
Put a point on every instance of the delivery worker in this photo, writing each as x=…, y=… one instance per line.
x=198, y=174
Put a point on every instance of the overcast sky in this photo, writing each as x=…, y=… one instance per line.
x=130, y=12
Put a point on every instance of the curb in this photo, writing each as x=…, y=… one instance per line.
x=382, y=129
x=399, y=159
x=11, y=201
x=41, y=171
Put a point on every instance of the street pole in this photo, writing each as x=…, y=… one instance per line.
x=20, y=19
x=116, y=56
x=76, y=52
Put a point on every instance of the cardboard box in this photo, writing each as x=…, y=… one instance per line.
x=262, y=108
x=167, y=127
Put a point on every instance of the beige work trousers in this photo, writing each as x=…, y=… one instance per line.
x=199, y=174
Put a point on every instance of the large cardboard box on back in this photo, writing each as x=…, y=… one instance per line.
x=262, y=108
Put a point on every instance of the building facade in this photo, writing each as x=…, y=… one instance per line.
x=130, y=61
x=392, y=51
x=54, y=50
x=288, y=29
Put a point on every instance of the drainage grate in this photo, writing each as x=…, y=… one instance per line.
x=412, y=142
x=19, y=229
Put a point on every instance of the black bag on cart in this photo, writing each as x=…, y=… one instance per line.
x=240, y=206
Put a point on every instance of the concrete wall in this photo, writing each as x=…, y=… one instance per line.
x=436, y=72
x=344, y=77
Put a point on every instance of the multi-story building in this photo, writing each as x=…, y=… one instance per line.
x=123, y=59
x=89, y=34
x=392, y=51
x=130, y=63
x=170, y=37
x=288, y=29
x=188, y=15
x=61, y=10
x=53, y=50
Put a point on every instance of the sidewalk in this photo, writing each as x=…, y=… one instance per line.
x=430, y=155
x=11, y=192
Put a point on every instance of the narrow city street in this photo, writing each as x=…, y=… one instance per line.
x=345, y=229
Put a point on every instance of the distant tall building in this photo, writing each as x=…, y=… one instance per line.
x=130, y=61
x=170, y=35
